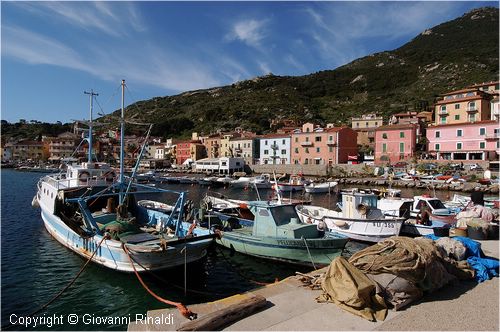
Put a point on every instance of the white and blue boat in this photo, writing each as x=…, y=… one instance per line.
x=95, y=213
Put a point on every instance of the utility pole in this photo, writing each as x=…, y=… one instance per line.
x=89, y=139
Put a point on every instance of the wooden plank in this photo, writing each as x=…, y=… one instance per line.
x=223, y=317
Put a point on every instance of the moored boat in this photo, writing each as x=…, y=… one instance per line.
x=325, y=187
x=277, y=233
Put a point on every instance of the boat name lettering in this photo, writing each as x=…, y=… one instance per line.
x=384, y=224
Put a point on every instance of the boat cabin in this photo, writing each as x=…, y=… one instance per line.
x=279, y=221
x=434, y=205
x=360, y=205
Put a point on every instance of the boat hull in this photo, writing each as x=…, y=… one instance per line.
x=112, y=255
x=293, y=251
x=366, y=230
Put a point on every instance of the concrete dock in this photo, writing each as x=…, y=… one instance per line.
x=466, y=306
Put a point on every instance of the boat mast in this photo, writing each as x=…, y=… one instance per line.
x=89, y=138
x=122, y=144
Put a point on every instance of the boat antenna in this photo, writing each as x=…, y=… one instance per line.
x=122, y=143
x=89, y=138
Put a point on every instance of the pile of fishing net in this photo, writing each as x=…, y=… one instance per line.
x=395, y=272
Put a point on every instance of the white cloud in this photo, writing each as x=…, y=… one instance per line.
x=250, y=32
x=112, y=18
x=156, y=67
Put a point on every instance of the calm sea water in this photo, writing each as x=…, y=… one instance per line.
x=35, y=266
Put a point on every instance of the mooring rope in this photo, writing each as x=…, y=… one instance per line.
x=310, y=256
x=106, y=236
x=181, y=307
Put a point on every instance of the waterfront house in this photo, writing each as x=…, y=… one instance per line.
x=396, y=142
x=245, y=147
x=274, y=149
x=314, y=145
x=212, y=145
x=64, y=145
x=223, y=165
x=465, y=141
x=365, y=127
x=27, y=150
x=466, y=105
x=493, y=88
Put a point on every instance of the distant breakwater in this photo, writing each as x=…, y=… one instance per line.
x=463, y=187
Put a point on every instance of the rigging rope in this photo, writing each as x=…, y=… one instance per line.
x=181, y=307
x=106, y=236
x=307, y=247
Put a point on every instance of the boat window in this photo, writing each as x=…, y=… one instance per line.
x=437, y=204
x=283, y=214
x=419, y=205
x=370, y=201
x=263, y=213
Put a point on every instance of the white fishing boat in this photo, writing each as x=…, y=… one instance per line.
x=359, y=218
x=262, y=181
x=296, y=183
x=95, y=214
x=325, y=187
x=207, y=181
x=241, y=182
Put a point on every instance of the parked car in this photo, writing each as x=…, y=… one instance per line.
x=475, y=167
x=400, y=164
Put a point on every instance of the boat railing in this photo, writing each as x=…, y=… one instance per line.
x=64, y=183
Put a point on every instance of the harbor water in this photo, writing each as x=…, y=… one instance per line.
x=35, y=267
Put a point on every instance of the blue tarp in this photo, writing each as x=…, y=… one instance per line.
x=485, y=267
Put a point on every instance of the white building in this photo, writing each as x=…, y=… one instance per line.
x=275, y=149
x=223, y=165
x=244, y=147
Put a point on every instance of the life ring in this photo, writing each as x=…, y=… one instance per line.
x=84, y=176
x=110, y=177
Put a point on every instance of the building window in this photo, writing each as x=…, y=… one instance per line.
x=307, y=138
x=482, y=131
x=283, y=141
x=330, y=138
x=482, y=145
x=357, y=124
x=443, y=108
x=401, y=147
x=459, y=146
x=366, y=124
x=265, y=142
x=437, y=147
x=457, y=106
x=306, y=150
x=317, y=139
x=296, y=150
x=401, y=134
x=438, y=134
x=472, y=117
x=384, y=147
x=283, y=151
x=296, y=139
x=443, y=120
x=459, y=132
x=317, y=150
x=330, y=149
x=384, y=136
x=317, y=161
x=266, y=151
x=457, y=116
x=376, y=123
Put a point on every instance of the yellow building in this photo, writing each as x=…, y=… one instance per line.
x=365, y=127
x=467, y=105
x=27, y=150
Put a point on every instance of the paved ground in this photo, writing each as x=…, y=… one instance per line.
x=464, y=307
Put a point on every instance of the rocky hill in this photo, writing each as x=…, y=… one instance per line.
x=449, y=56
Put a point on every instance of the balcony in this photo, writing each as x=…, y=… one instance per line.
x=331, y=142
x=306, y=143
x=471, y=109
x=444, y=112
x=275, y=147
x=492, y=137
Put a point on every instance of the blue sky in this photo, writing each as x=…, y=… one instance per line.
x=53, y=51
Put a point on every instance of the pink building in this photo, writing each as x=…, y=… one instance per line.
x=323, y=146
x=395, y=143
x=465, y=141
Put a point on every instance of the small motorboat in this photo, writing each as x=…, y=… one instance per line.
x=325, y=187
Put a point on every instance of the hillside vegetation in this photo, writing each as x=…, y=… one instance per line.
x=449, y=56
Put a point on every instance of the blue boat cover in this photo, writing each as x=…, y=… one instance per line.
x=485, y=267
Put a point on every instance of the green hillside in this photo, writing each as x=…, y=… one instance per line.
x=449, y=56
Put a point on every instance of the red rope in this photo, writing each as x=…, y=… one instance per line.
x=181, y=307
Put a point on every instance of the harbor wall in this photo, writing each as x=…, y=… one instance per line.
x=311, y=170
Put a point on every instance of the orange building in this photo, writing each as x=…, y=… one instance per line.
x=466, y=105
